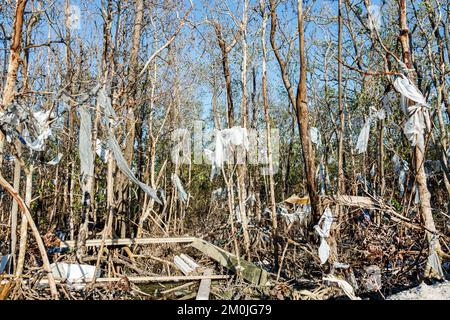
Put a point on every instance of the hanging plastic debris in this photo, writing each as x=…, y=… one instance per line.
x=182, y=195
x=419, y=118
x=223, y=146
x=363, y=138
x=109, y=118
x=55, y=160
x=85, y=144
x=323, y=228
x=101, y=151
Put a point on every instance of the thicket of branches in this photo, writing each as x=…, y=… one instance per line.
x=307, y=68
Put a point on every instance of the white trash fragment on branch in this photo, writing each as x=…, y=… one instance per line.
x=40, y=123
x=123, y=166
x=344, y=285
x=85, y=144
x=55, y=160
x=223, y=146
x=323, y=228
x=363, y=138
x=315, y=136
x=101, y=151
x=182, y=195
x=419, y=117
x=401, y=168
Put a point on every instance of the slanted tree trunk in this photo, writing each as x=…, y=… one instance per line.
x=419, y=155
x=268, y=139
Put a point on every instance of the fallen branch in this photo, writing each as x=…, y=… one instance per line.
x=46, y=264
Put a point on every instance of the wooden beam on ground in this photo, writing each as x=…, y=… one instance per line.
x=149, y=279
x=127, y=241
x=205, y=286
x=250, y=272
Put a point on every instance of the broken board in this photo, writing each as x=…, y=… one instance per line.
x=250, y=272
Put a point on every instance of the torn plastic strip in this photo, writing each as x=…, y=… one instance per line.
x=419, y=118
x=323, y=228
x=85, y=144
x=109, y=117
x=123, y=166
x=182, y=195
x=363, y=138
x=55, y=160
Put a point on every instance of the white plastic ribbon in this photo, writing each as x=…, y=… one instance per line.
x=363, y=138
x=223, y=146
x=182, y=195
x=323, y=228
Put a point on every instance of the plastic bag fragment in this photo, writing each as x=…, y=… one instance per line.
x=419, y=118
x=323, y=228
x=109, y=118
x=55, y=160
x=182, y=195
x=85, y=144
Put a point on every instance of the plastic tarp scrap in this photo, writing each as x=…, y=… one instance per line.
x=55, y=160
x=85, y=144
x=182, y=195
x=223, y=146
x=363, y=138
x=323, y=228
x=110, y=119
x=344, y=285
x=315, y=136
x=419, y=118
x=123, y=166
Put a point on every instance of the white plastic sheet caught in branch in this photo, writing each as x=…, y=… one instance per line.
x=363, y=138
x=315, y=136
x=419, y=118
x=344, y=285
x=182, y=195
x=101, y=151
x=323, y=228
x=223, y=146
x=85, y=144
x=55, y=160
x=110, y=119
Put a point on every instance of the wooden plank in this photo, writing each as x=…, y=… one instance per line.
x=190, y=262
x=250, y=272
x=205, y=286
x=151, y=279
x=127, y=241
x=182, y=265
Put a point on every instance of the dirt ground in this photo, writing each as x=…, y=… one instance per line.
x=439, y=291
